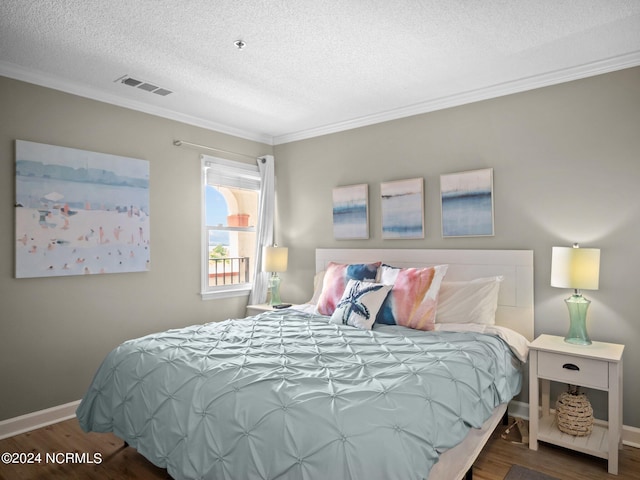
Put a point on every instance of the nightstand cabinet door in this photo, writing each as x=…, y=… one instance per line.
x=573, y=370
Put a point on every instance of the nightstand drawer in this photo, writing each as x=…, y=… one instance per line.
x=574, y=370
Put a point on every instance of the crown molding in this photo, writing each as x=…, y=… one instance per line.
x=620, y=62
x=42, y=79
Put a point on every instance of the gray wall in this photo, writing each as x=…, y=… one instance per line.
x=566, y=169
x=54, y=332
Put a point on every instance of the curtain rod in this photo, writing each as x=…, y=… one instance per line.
x=179, y=143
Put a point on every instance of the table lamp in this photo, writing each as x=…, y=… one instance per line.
x=577, y=268
x=274, y=260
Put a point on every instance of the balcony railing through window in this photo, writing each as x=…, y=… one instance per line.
x=228, y=271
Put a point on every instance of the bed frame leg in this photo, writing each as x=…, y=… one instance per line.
x=469, y=474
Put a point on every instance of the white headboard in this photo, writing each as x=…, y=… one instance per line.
x=515, y=303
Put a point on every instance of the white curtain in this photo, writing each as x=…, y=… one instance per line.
x=264, y=237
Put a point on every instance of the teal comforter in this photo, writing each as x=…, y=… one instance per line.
x=287, y=395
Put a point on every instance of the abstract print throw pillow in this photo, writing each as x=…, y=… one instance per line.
x=413, y=299
x=335, y=281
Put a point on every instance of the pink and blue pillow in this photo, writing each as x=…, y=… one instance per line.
x=335, y=281
x=413, y=299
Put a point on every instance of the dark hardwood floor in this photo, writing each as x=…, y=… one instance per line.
x=120, y=463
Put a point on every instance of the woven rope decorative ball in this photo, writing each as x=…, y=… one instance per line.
x=574, y=414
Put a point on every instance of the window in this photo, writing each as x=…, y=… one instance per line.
x=231, y=191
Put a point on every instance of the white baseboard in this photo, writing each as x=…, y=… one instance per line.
x=39, y=419
x=630, y=435
x=519, y=409
x=49, y=416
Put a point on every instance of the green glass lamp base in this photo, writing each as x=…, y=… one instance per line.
x=274, y=288
x=578, y=306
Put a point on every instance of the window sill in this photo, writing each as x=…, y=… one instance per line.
x=227, y=292
x=232, y=229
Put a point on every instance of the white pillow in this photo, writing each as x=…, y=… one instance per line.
x=474, y=301
x=359, y=304
x=317, y=287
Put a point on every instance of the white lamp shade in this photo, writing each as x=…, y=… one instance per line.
x=577, y=268
x=274, y=259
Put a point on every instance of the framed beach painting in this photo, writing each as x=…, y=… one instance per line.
x=402, y=208
x=351, y=212
x=467, y=203
x=79, y=212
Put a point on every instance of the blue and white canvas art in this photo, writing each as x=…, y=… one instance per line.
x=402, y=205
x=351, y=212
x=80, y=212
x=467, y=203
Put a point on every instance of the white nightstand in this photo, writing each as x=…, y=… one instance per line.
x=259, y=308
x=597, y=366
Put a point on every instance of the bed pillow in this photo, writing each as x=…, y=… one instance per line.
x=413, y=299
x=474, y=301
x=317, y=287
x=335, y=281
x=359, y=304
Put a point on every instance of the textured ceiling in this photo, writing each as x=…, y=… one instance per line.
x=311, y=67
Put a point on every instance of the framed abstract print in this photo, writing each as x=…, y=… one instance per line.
x=351, y=212
x=402, y=208
x=467, y=203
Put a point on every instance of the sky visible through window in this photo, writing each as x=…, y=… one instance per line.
x=216, y=214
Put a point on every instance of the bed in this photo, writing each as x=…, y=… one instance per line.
x=295, y=394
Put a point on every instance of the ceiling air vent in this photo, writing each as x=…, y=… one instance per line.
x=142, y=85
x=148, y=87
x=132, y=82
